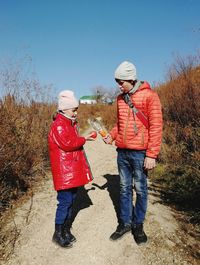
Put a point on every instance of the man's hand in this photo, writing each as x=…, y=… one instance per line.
x=149, y=163
x=107, y=139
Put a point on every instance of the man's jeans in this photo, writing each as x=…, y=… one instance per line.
x=132, y=175
x=64, y=207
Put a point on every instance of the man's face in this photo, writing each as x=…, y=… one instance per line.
x=124, y=85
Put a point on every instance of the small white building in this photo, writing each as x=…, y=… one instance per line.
x=88, y=100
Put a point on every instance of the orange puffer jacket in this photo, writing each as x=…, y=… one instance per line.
x=147, y=101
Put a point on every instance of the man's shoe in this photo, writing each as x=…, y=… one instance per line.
x=120, y=231
x=59, y=239
x=139, y=234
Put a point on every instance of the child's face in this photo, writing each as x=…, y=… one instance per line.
x=72, y=113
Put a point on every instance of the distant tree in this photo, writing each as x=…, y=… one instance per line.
x=105, y=95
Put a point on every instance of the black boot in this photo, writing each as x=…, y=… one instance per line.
x=139, y=234
x=66, y=231
x=120, y=231
x=59, y=238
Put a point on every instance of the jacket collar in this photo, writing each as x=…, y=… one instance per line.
x=139, y=86
x=66, y=119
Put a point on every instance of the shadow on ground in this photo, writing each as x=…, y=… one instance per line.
x=82, y=201
x=112, y=186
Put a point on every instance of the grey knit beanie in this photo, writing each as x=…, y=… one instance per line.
x=126, y=71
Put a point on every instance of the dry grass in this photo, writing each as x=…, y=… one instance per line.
x=108, y=113
x=180, y=97
x=23, y=141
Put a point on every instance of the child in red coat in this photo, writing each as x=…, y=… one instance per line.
x=69, y=165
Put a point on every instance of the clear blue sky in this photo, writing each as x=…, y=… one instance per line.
x=77, y=44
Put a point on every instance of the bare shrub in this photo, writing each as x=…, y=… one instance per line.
x=25, y=112
x=180, y=97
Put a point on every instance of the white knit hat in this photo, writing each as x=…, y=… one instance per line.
x=126, y=71
x=67, y=100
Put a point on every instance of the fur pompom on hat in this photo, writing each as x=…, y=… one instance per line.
x=126, y=71
x=67, y=100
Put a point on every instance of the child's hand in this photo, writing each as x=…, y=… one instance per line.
x=107, y=139
x=91, y=136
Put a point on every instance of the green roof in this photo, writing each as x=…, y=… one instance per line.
x=89, y=97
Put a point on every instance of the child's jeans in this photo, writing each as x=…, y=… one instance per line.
x=64, y=207
x=132, y=174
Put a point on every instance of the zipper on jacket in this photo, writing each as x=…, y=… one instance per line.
x=125, y=129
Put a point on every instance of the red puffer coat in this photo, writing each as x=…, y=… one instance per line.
x=147, y=101
x=68, y=162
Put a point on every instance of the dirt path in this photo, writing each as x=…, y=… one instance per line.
x=95, y=219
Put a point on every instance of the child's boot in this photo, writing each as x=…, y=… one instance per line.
x=59, y=238
x=66, y=231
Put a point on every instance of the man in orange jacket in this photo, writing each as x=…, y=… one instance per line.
x=137, y=135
